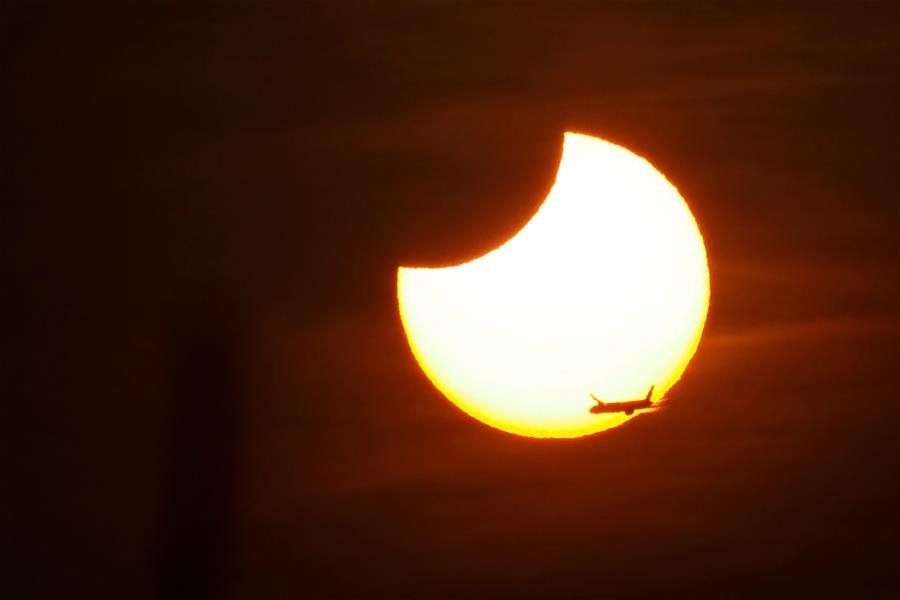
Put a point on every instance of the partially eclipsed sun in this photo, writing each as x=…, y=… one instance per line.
x=604, y=291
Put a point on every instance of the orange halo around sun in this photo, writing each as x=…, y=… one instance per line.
x=604, y=291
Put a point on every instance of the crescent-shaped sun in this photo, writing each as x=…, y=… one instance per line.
x=604, y=291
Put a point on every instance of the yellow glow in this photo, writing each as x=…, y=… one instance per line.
x=605, y=290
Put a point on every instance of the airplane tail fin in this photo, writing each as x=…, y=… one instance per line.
x=598, y=400
x=650, y=393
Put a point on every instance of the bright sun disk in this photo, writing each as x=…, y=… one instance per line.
x=604, y=291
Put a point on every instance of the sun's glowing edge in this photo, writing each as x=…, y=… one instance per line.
x=510, y=426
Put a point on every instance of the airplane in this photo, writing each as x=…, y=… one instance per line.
x=628, y=406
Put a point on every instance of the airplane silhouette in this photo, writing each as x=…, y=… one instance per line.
x=628, y=406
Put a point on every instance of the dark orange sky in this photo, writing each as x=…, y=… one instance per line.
x=212, y=395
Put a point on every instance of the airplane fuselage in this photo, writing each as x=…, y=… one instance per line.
x=626, y=407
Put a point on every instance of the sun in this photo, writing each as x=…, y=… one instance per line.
x=604, y=291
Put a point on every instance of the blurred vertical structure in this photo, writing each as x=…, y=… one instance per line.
x=206, y=359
